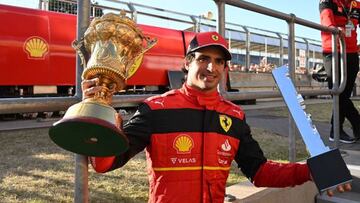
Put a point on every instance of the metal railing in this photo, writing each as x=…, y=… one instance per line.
x=291, y=20
x=197, y=22
x=22, y=105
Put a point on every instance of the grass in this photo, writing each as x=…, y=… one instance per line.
x=274, y=146
x=322, y=114
x=33, y=169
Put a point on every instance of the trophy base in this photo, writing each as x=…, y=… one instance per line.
x=89, y=136
x=329, y=170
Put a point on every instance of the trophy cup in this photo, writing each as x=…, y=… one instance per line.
x=113, y=43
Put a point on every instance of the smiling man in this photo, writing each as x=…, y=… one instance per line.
x=191, y=135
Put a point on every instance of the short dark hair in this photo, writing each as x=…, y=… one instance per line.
x=188, y=59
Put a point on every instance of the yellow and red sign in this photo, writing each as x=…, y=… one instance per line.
x=36, y=47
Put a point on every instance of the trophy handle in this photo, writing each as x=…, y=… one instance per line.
x=79, y=47
x=150, y=43
x=134, y=65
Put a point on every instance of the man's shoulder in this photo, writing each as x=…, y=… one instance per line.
x=162, y=99
x=165, y=95
x=232, y=109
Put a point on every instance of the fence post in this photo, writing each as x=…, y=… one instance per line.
x=81, y=163
x=291, y=54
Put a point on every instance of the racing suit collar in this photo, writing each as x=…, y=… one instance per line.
x=209, y=100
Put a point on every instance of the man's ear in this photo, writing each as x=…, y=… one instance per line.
x=186, y=65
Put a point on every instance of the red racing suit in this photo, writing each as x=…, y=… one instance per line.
x=191, y=139
x=335, y=13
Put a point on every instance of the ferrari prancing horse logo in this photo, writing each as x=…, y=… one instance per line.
x=215, y=37
x=225, y=122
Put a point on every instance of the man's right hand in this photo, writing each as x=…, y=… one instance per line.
x=90, y=87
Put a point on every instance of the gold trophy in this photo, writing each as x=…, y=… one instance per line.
x=89, y=128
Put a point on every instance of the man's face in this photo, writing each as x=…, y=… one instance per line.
x=205, y=71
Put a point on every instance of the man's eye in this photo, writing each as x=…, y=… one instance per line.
x=220, y=61
x=202, y=60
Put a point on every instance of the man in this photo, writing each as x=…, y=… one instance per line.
x=192, y=134
x=344, y=15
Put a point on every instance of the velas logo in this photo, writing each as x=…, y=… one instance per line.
x=215, y=37
x=225, y=122
x=183, y=144
x=177, y=160
x=36, y=47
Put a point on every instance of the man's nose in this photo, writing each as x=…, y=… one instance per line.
x=211, y=65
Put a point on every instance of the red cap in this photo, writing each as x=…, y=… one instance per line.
x=205, y=39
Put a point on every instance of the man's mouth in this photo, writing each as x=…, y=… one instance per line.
x=209, y=77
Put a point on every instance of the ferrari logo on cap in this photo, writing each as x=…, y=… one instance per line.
x=215, y=37
x=225, y=122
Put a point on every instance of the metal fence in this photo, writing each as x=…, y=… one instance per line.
x=253, y=49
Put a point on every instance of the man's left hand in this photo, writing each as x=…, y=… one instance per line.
x=340, y=188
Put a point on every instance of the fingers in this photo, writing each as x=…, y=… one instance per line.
x=330, y=193
x=85, y=84
x=347, y=186
x=91, y=91
x=344, y=187
x=340, y=188
x=90, y=87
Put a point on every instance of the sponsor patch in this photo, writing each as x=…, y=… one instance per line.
x=226, y=146
x=225, y=122
x=177, y=160
x=183, y=144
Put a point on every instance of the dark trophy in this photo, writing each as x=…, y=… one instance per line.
x=327, y=167
x=113, y=43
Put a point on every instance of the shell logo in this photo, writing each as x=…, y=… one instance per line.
x=183, y=144
x=36, y=47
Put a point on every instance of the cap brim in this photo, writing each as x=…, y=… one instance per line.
x=224, y=50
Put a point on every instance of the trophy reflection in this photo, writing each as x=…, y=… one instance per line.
x=114, y=43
